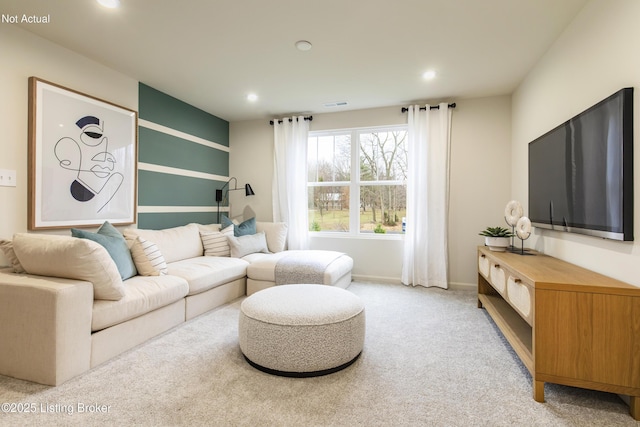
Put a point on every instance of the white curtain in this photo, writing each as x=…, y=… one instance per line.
x=290, y=179
x=425, y=260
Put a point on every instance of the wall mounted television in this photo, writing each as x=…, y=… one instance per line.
x=581, y=172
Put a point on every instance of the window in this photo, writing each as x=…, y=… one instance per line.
x=357, y=180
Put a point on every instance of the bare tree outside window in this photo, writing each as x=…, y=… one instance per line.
x=383, y=162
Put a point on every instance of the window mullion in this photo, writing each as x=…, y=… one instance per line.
x=354, y=191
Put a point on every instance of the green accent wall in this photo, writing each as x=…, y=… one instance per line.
x=167, y=150
x=158, y=150
x=162, y=189
x=158, y=221
x=160, y=108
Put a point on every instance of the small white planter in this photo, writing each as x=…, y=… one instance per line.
x=498, y=244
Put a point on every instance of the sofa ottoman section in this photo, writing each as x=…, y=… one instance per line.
x=263, y=270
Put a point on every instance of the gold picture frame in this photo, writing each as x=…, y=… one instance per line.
x=82, y=157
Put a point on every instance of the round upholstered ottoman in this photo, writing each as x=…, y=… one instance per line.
x=301, y=330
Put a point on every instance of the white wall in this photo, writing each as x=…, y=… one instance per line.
x=595, y=56
x=480, y=184
x=25, y=55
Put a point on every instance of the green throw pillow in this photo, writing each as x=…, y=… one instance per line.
x=109, y=237
x=244, y=228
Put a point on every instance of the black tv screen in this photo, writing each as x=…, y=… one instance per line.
x=581, y=172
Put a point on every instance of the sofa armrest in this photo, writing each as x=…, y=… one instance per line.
x=45, y=327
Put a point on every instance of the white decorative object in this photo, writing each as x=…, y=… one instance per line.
x=523, y=231
x=513, y=212
x=523, y=228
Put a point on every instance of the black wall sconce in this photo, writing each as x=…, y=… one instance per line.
x=248, y=191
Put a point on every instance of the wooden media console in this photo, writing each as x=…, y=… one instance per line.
x=567, y=324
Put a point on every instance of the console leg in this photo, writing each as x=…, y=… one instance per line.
x=634, y=407
x=538, y=391
x=479, y=304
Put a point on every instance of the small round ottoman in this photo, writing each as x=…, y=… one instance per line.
x=301, y=330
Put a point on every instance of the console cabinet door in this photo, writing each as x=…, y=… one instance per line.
x=588, y=337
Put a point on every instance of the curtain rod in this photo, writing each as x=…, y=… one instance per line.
x=290, y=120
x=432, y=107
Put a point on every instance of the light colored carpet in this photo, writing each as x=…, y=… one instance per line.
x=431, y=358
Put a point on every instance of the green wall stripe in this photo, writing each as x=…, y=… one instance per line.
x=161, y=189
x=168, y=111
x=167, y=150
x=157, y=221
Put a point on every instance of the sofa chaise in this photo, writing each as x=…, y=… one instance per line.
x=65, y=306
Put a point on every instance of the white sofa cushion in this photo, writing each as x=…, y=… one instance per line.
x=143, y=294
x=276, y=233
x=262, y=266
x=175, y=243
x=114, y=242
x=72, y=258
x=206, y=272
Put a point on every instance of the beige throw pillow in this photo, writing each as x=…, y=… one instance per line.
x=71, y=258
x=216, y=243
x=148, y=258
x=7, y=248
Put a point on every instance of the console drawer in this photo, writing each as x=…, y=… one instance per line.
x=497, y=277
x=519, y=296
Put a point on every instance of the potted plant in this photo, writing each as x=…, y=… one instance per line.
x=496, y=238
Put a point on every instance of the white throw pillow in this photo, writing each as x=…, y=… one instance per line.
x=216, y=243
x=248, y=244
x=71, y=258
x=276, y=233
x=148, y=258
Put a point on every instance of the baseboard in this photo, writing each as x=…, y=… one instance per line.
x=375, y=279
x=396, y=281
x=461, y=286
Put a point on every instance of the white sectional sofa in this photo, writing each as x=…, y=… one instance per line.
x=65, y=309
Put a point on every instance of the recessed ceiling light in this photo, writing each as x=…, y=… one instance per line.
x=111, y=4
x=303, y=45
x=428, y=75
x=252, y=97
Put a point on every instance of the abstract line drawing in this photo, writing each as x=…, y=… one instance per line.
x=90, y=157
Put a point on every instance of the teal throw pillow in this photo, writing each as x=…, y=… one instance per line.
x=243, y=229
x=114, y=242
x=226, y=222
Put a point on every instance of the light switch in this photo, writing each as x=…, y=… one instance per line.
x=7, y=178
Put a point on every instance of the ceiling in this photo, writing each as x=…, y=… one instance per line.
x=368, y=53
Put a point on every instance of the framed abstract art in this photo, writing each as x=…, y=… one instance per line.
x=82, y=159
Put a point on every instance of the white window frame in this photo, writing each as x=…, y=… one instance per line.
x=355, y=183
